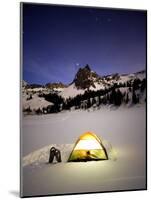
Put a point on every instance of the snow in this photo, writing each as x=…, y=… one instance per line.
x=98, y=86
x=125, y=78
x=38, y=89
x=41, y=156
x=35, y=103
x=123, y=133
x=141, y=76
x=71, y=91
x=58, y=89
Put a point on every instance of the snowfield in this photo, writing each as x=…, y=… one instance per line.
x=123, y=132
x=71, y=91
x=35, y=103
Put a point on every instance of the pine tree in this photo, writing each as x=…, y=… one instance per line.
x=118, y=98
x=93, y=101
x=134, y=97
x=99, y=100
x=108, y=98
x=130, y=89
x=127, y=98
x=88, y=103
x=112, y=98
x=136, y=84
x=143, y=85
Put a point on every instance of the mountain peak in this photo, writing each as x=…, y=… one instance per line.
x=85, y=78
x=87, y=67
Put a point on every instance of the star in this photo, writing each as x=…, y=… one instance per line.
x=77, y=64
x=96, y=19
x=109, y=19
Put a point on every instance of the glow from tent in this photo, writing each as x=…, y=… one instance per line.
x=88, y=144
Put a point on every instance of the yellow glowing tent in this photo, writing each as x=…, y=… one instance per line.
x=88, y=147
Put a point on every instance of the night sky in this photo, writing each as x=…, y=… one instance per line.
x=58, y=40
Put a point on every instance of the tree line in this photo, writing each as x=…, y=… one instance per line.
x=111, y=95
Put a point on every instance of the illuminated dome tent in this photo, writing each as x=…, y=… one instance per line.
x=88, y=147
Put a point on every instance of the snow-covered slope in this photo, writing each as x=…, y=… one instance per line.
x=124, y=78
x=97, y=86
x=86, y=79
x=71, y=91
x=35, y=102
x=38, y=89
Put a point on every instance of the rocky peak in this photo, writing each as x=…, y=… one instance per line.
x=85, y=78
x=87, y=67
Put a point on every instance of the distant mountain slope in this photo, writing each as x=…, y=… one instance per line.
x=56, y=86
x=34, y=102
x=86, y=79
x=86, y=90
x=24, y=83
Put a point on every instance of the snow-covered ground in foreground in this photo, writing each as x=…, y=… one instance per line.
x=123, y=128
x=37, y=158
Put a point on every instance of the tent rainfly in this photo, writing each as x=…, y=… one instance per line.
x=88, y=147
